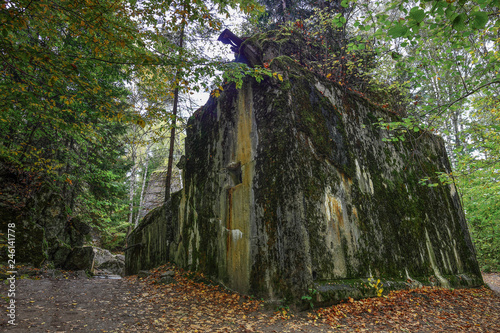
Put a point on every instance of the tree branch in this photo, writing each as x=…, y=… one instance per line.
x=444, y=107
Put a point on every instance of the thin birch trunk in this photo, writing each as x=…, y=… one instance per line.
x=132, y=188
x=137, y=218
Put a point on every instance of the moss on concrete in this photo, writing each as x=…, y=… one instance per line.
x=289, y=186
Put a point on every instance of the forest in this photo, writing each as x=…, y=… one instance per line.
x=96, y=94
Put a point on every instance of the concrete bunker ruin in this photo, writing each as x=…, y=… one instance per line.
x=290, y=187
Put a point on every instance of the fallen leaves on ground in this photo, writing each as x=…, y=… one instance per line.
x=69, y=302
x=427, y=309
x=191, y=306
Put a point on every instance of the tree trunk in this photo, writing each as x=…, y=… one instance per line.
x=137, y=218
x=132, y=188
x=172, y=131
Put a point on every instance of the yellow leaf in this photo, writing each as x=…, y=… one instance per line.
x=215, y=93
x=280, y=77
x=141, y=123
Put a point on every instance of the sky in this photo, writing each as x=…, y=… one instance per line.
x=213, y=49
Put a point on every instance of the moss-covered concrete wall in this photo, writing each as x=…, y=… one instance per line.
x=289, y=187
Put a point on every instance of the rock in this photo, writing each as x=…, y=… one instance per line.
x=42, y=225
x=60, y=234
x=114, y=266
x=77, y=230
x=81, y=274
x=167, y=280
x=103, y=272
x=33, y=250
x=47, y=235
x=80, y=258
x=60, y=256
x=101, y=256
x=143, y=274
x=168, y=274
x=167, y=277
x=105, y=260
x=54, y=273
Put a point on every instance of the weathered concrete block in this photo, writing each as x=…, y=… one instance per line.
x=289, y=187
x=155, y=192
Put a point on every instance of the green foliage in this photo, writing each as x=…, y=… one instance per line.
x=339, y=47
x=398, y=130
x=113, y=238
x=186, y=68
x=478, y=165
x=309, y=297
x=284, y=309
x=65, y=101
x=482, y=204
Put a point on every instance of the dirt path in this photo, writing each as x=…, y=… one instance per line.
x=67, y=304
x=74, y=305
x=493, y=281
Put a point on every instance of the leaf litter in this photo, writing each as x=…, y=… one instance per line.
x=193, y=303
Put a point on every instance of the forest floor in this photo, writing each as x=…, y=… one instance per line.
x=72, y=303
